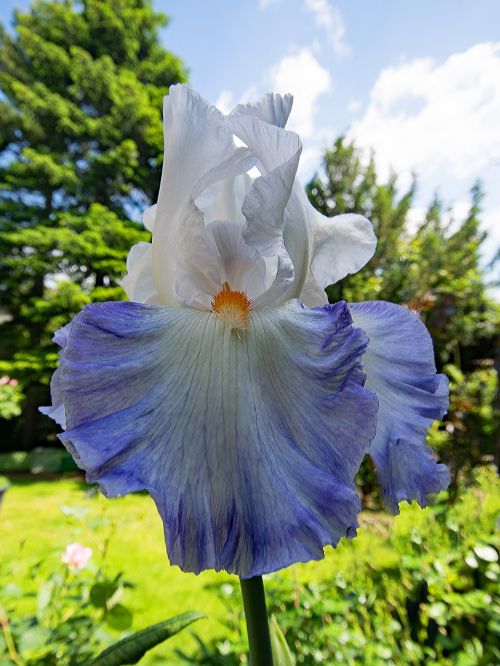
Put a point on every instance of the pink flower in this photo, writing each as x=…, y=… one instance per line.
x=76, y=556
x=6, y=380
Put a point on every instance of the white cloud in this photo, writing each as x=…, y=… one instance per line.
x=451, y=217
x=329, y=18
x=441, y=120
x=307, y=80
x=303, y=76
x=353, y=105
x=415, y=218
x=225, y=101
x=456, y=214
x=491, y=223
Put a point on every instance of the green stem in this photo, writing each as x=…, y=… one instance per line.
x=9, y=640
x=254, y=603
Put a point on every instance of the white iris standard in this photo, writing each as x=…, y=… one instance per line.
x=222, y=388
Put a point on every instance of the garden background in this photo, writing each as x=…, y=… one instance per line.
x=81, y=143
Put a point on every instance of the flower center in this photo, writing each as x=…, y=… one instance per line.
x=233, y=307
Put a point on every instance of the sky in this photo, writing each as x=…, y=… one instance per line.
x=419, y=82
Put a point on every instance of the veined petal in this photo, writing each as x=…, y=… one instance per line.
x=138, y=283
x=216, y=254
x=323, y=250
x=248, y=443
x=341, y=245
x=400, y=370
x=312, y=293
x=243, y=267
x=264, y=207
x=199, y=267
x=220, y=192
x=273, y=145
x=222, y=200
x=237, y=163
x=272, y=108
x=56, y=410
x=196, y=140
x=265, y=204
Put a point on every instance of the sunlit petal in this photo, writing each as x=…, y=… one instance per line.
x=56, y=410
x=138, y=283
x=248, y=443
x=148, y=217
x=342, y=245
x=399, y=365
x=271, y=108
x=196, y=141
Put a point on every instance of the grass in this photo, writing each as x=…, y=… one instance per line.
x=35, y=529
x=39, y=518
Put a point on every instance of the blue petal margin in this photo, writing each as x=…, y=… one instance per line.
x=56, y=410
x=248, y=443
x=400, y=369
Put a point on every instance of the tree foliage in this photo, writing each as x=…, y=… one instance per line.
x=81, y=144
x=433, y=266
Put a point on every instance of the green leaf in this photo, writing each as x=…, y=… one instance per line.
x=44, y=597
x=102, y=593
x=132, y=648
x=34, y=641
x=281, y=652
x=13, y=591
x=119, y=617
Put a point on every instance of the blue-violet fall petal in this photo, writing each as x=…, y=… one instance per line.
x=56, y=410
x=248, y=443
x=400, y=370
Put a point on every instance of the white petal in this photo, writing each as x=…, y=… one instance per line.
x=272, y=108
x=148, y=217
x=243, y=267
x=197, y=273
x=220, y=192
x=312, y=293
x=298, y=240
x=200, y=269
x=273, y=145
x=323, y=250
x=138, y=283
x=264, y=206
x=196, y=140
x=222, y=200
x=342, y=245
x=218, y=254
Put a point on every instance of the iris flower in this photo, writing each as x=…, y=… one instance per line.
x=227, y=387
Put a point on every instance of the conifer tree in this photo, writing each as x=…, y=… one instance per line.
x=81, y=145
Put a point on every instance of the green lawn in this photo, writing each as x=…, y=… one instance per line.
x=36, y=527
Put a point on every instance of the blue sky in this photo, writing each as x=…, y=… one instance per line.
x=417, y=81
